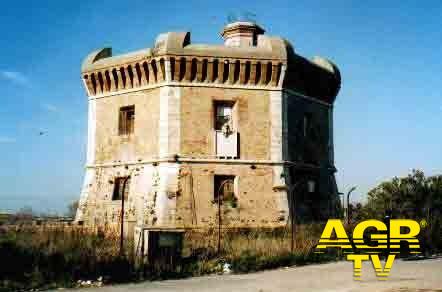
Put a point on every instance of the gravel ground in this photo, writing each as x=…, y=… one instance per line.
x=405, y=276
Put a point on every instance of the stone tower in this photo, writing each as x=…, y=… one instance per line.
x=176, y=128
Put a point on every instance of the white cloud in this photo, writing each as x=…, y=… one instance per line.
x=4, y=140
x=15, y=77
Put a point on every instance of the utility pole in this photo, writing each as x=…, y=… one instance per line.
x=219, y=214
x=122, y=213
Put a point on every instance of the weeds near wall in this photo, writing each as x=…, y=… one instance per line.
x=246, y=250
x=50, y=257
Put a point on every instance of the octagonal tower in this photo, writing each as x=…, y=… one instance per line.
x=174, y=128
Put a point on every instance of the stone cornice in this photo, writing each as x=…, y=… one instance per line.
x=180, y=159
x=158, y=70
x=271, y=64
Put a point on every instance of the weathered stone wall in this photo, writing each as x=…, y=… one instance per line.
x=310, y=144
x=316, y=146
x=98, y=208
x=106, y=147
x=252, y=120
x=171, y=195
x=180, y=121
x=258, y=204
x=143, y=143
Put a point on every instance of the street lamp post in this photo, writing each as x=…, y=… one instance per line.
x=348, y=203
x=342, y=204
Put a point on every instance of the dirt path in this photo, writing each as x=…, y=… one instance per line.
x=405, y=276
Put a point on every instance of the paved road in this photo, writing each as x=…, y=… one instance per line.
x=406, y=276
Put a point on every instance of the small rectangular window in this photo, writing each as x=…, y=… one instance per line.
x=307, y=123
x=223, y=115
x=121, y=188
x=126, y=120
x=224, y=187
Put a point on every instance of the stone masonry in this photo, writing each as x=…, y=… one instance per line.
x=249, y=122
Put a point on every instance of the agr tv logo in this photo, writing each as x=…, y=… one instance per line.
x=385, y=240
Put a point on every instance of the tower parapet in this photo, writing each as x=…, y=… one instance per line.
x=247, y=59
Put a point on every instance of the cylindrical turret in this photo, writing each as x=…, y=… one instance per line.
x=241, y=34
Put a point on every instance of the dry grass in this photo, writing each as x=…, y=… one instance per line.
x=51, y=256
x=65, y=238
x=253, y=249
x=263, y=241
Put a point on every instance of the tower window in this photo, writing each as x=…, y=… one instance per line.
x=223, y=115
x=307, y=123
x=126, y=120
x=224, y=187
x=120, y=188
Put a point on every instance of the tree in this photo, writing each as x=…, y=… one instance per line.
x=412, y=197
x=358, y=212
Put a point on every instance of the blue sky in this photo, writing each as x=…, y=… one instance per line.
x=388, y=115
